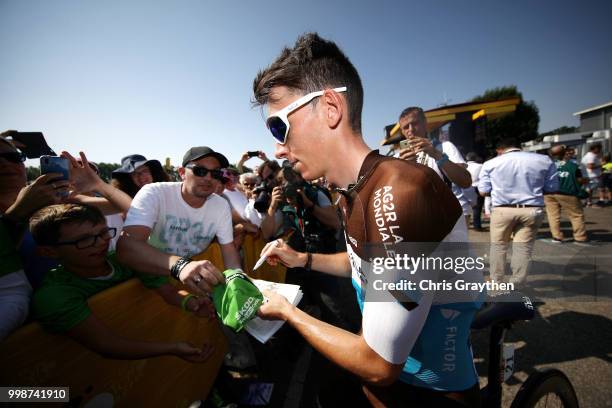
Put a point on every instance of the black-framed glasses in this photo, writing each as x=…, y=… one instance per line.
x=14, y=157
x=91, y=240
x=203, y=171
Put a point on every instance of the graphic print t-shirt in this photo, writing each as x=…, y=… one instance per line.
x=177, y=228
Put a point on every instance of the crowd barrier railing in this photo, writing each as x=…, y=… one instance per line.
x=34, y=357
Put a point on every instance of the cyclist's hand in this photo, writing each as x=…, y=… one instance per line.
x=278, y=251
x=274, y=307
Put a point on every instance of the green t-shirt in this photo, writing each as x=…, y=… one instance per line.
x=9, y=257
x=61, y=301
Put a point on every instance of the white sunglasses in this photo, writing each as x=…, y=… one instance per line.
x=278, y=122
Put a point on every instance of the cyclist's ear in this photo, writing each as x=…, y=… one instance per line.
x=335, y=108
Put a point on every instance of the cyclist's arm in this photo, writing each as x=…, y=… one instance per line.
x=333, y=264
x=349, y=351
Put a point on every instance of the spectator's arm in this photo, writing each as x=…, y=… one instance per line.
x=457, y=173
x=268, y=224
x=484, y=181
x=240, y=164
x=231, y=258
x=455, y=168
x=85, y=180
x=236, y=218
x=100, y=203
x=134, y=251
x=96, y=336
x=201, y=306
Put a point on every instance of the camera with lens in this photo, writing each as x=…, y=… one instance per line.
x=290, y=191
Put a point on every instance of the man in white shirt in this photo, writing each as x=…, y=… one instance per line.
x=592, y=163
x=168, y=223
x=516, y=181
x=444, y=158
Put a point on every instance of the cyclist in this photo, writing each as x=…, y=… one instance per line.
x=410, y=353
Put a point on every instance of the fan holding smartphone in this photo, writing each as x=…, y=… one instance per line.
x=247, y=155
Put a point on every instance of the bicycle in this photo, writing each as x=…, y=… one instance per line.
x=543, y=389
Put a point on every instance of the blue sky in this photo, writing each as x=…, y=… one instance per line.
x=157, y=77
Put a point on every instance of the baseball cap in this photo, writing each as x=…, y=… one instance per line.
x=199, y=152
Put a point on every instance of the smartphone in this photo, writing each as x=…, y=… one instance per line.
x=33, y=144
x=253, y=154
x=404, y=144
x=55, y=164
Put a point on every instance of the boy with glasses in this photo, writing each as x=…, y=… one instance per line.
x=78, y=237
x=168, y=223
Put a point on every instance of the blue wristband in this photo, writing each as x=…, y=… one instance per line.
x=442, y=160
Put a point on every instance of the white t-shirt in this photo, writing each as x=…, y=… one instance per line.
x=591, y=158
x=237, y=200
x=178, y=228
x=474, y=169
x=251, y=214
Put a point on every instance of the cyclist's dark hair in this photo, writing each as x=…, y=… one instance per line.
x=45, y=224
x=313, y=64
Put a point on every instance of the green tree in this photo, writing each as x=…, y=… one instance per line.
x=106, y=170
x=561, y=130
x=521, y=124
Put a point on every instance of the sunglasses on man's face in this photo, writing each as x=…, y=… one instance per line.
x=203, y=171
x=278, y=123
x=14, y=157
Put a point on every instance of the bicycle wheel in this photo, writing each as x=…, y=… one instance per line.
x=546, y=389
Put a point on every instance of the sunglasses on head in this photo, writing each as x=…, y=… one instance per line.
x=203, y=171
x=278, y=122
x=15, y=157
